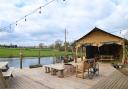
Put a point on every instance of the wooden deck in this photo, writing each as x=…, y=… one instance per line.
x=38, y=79
x=115, y=81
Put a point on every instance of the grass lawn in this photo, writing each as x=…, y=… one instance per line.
x=29, y=52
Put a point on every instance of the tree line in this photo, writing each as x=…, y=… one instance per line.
x=8, y=46
x=57, y=45
x=60, y=45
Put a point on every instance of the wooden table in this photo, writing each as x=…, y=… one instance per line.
x=53, y=68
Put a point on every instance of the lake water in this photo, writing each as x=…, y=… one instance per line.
x=15, y=62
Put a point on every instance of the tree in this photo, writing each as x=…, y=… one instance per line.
x=58, y=44
x=52, y=46
x=41, y=45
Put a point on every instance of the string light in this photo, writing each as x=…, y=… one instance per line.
x=25, y=19
x=39, y=8
x=120, y=31
x=16, y=23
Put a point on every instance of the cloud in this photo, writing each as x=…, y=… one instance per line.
x=77, y=16
x=117, y=20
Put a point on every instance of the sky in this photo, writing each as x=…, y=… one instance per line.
x=78, y=17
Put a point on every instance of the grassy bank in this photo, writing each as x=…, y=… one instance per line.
x=29, y=52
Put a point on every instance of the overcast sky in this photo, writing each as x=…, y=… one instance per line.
x=77, y=16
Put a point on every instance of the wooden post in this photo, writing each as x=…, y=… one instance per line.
x=65, y=44
x=72, y=51
x=39, y=57
x=21, y=58
x=123, y=59
x=85, y=52
x=76, y=51
x=98, y=53
x=82, y=52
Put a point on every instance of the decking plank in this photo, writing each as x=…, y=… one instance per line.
x=115, y=81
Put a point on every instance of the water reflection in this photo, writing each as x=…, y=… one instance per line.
x=15, y=62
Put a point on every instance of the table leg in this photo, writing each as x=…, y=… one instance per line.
x=53, y=71
x=47, y=69
x=61, y=73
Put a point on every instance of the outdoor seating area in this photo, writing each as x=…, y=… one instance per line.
x=61, y=69
x=79, y=68
x=36, y=78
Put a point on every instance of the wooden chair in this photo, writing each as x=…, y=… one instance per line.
x=82, y=68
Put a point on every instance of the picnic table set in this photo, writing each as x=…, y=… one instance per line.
x=92, y=68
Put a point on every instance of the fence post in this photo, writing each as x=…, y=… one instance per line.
x=21, y=58
x=39, y=57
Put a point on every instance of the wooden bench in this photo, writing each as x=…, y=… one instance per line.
x=106, y=57
x=6, y=75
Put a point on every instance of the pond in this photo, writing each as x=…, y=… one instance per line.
x=27, y=61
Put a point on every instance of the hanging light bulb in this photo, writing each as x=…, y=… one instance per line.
x=16, y=23
x=120, y=31
x=25, y=19
x=40, y=10
x=63, y=2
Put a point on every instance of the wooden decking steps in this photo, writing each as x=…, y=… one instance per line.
x=116, y=80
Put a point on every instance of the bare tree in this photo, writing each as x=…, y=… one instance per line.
x=41, y=45
x=58, y=44
x=52, y=46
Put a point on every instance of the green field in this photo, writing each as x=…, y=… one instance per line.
x=29, y=52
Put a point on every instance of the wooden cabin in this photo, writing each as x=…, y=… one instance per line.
x=101, y=44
